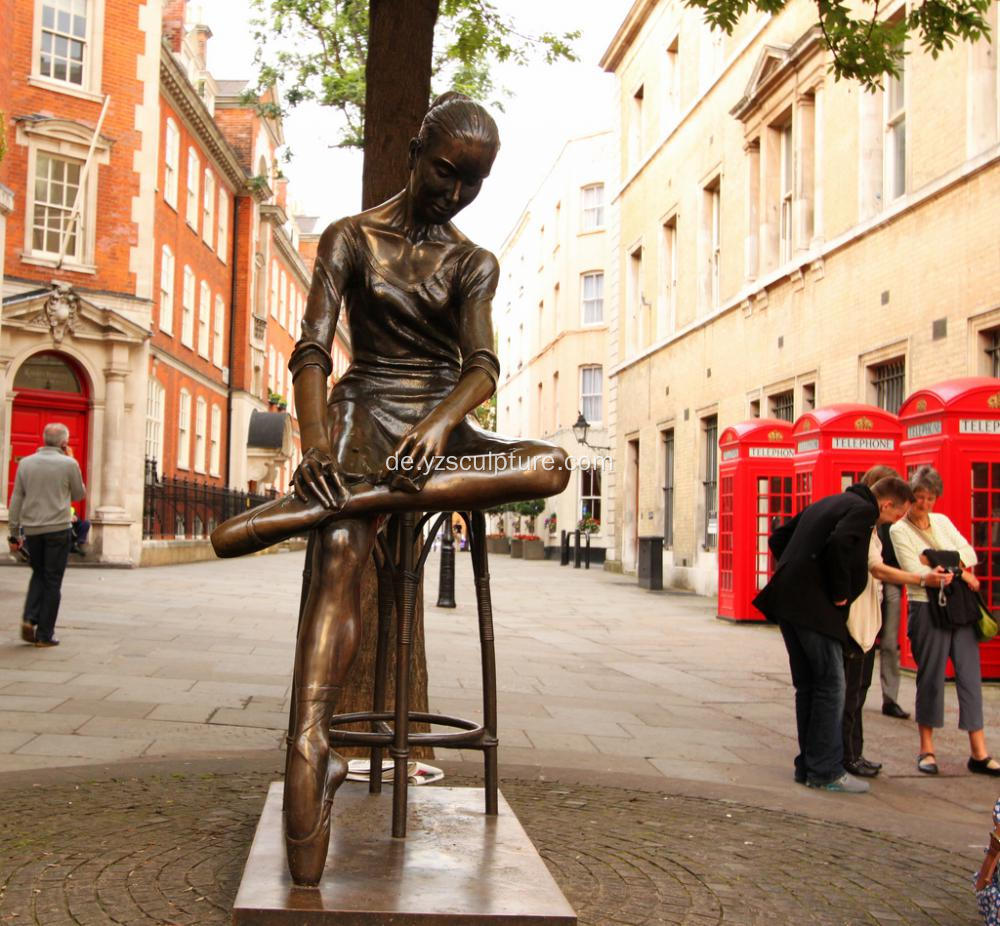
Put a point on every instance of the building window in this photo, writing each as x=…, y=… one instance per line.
x=283, y=301
x=669, y=270
x=200, y=423
x=783, y=405
x=889, y=384
x=274, y=289
x=187, y=309
x=713, y=208
x=216, y=436
x=193, y=169
x=271, y=364
x=755, y=408
x=167, y=270
x=593, y=298
x=222, y=244
x=57, y=184
x=593, y=206
x=787, y=170
x=668, y=488
x=184, y=431
x=217, y=328
x=991, y=345
x=710, y=483
x=208, y=215
x=808, y=397
x=591, y=393
x=154, y=422
x=171, y=162
x=635, y=300
x=895, y=133
x=590, y=493
x=635, y=135
x=64, y=40
x=204, y=310
x=672, y=85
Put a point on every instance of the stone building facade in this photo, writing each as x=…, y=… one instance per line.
x=783, y=241
x=551, y=323
x=147, y=227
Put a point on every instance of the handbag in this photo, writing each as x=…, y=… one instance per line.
x=955, y=605
x=986, y=881
x=986, y=626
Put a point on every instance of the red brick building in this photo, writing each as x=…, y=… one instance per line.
x=152, y=288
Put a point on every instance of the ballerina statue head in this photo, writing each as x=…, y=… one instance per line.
x=451, y=156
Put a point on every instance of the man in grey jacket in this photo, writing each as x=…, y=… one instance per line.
x=47, y=483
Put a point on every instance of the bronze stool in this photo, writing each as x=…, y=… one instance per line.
x=398, y=582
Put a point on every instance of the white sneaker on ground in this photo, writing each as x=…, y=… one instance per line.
x=846, y=784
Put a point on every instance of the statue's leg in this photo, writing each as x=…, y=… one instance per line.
x=328, y=640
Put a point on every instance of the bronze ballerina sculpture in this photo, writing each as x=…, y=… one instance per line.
x=418, y=298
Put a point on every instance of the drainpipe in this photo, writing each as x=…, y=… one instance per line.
x=232, y=338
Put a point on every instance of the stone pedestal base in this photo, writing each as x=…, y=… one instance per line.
x=112, y=528
x=457, y=866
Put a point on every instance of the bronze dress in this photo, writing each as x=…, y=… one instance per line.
x=411, y=342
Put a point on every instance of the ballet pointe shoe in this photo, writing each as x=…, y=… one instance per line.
x=267, y=524
x=313, y=773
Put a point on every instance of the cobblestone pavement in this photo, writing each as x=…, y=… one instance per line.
x=150, y=846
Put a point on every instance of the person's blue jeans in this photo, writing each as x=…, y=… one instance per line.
x=817, y=664
x=49, y=553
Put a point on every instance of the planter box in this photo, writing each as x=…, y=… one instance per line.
x=496, y=545
x=534, y=549
x=517, y=549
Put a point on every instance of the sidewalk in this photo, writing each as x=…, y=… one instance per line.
x=601, y=683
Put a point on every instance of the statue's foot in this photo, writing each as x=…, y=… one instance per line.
x=307, y=854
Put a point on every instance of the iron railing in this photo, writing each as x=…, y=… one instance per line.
x=185, y=509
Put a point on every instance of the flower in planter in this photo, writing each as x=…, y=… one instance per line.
x=527, y=537
x=588, y=525
x=550, y=523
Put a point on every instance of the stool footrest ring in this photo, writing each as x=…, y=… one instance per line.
x=468, y=734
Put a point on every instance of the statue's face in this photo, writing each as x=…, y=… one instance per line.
x=447, y=174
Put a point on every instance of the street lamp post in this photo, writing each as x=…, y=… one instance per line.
x=446, y=574
x=580, y=428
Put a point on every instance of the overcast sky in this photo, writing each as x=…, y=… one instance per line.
x=550, y=104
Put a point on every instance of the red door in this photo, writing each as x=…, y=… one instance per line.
x=43, y=393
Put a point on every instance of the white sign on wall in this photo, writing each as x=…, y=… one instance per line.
x=864, y=443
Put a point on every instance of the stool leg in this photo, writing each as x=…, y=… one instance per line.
x=385, y=604
x=406, y=606
x=484, y=607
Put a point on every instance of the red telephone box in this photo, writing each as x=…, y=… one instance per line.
x=955, y=427
x=755, y=490
x=837, y=444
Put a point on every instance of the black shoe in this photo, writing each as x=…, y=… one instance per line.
x=800, y=777
x=861, y=769
x=875, y=765
x=982, y=767
x=892, y=709
x=27, y=631
x=50, y=642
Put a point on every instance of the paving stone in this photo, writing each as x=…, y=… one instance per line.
x=86, y=747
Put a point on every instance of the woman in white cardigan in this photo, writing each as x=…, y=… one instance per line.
x=923, y=529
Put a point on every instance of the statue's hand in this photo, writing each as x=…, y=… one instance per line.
x=317, y=477
x=424, y=443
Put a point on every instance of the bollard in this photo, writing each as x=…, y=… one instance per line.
x=576, y=549
x=564, y=549
x=586, y=561
x=446, y=575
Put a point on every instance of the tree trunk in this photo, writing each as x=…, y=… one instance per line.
x=397, y=90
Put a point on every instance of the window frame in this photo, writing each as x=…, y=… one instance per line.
x=192, y=180
x=168, y=273
x=888, y=384
x=596, y=500
x=894, y=175
x=585, y=396
x=222, y=235
x=200, y=435
x=204, y=317
x=184, y=429
x=599, y=299
x=592, y=216
x=215, y=442
x=93, y=58
x=155, y=396
x=171, y=162
x=218, y=331
x=188, y=296
x=710, y=480
x=208, y=209
x=669, y=451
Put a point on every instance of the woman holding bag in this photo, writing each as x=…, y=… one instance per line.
x=923, y=529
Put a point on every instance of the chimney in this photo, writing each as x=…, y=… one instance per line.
x=173, y=23
x=201, y=34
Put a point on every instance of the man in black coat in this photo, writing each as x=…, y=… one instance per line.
x=822, y=566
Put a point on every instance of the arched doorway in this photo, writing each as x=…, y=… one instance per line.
x=49, y=387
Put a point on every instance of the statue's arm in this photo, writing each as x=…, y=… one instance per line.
x=311, y=364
